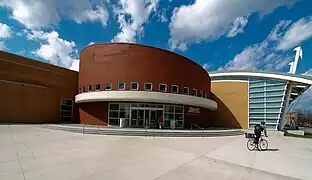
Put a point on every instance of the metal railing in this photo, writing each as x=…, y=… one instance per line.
x=197, y=127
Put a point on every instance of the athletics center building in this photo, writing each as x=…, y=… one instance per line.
x=131, y=85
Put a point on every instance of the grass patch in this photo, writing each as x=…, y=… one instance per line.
x=298, y=136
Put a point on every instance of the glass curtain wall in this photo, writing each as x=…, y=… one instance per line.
x=117, y=111
x=266, y=100
x=171, y=113
x=176, y=113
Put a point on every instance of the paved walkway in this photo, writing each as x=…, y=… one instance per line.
x=31, y=153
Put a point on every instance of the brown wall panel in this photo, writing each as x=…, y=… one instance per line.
x=232, y=99
x=31, y=90
x=202, y=119
x=113, y=62
x=95, y=113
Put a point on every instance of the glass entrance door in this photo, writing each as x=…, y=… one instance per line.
x=137, y=118
x=145, y=118
x=153, y=119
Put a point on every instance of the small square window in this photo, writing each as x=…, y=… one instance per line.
x=206, y=95
x=163, y=87
x=194, y=92
x=175, y=89
x=200, y=94
x=98, y=87
x=90, y=87
x=108, y=86
x=121, y=85
x=185, y=90
x=148, y=87
x=134, y=85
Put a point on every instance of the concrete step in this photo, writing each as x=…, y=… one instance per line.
x=149, y=132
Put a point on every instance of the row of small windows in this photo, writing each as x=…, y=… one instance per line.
x=147, y=87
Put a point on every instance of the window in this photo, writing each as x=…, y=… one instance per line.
x=108, y=86
x=163, y=87
x=66, y=108
x=186, y=90
x=134, y=86
x=148, y=87
x=206, y=95
x=194, y=92
x=90, y=87
x=117, y=111
x=97, y=87
x=173, y=112
x=175, y=89
x=200, y=94
x=122, y=85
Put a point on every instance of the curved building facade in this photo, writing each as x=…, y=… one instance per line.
x=135, y=85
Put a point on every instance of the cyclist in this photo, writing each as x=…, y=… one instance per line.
x=258, y=129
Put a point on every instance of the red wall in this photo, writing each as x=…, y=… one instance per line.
x=31, y=90
x=101, y=63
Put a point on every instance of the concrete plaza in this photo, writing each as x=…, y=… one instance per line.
x=34, y=153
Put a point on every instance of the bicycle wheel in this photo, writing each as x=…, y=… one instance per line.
x=263, y=144
x=251, y=145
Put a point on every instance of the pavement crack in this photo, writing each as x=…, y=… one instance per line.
x=19, y=162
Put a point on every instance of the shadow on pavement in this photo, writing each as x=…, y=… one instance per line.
x=272, y=149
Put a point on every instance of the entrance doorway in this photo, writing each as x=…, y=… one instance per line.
x=145, y=117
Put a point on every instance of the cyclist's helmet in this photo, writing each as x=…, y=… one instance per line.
x=262, y=122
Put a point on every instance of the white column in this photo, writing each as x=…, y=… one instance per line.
x=284, y=110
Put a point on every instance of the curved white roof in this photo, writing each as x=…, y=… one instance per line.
x=301, y=79
x=145, y=96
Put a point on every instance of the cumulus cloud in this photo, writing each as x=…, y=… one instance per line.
x=54, y=49
x=2, y=46
x=162, y=16
x=43, y=13
x=237, y=26
x=5, y=33
x=263, y=54
x=270, y=52
x=132, y=14
x=207, y=20
x=297, y=33
x=206, y=66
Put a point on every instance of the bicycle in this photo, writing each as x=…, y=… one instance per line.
x=262, y=145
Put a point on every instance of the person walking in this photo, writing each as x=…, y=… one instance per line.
x=161, y=122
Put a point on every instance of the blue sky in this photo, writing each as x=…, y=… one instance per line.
x=217, y=34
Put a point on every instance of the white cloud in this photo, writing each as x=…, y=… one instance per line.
x=5, y=31
x=237, y=26
x=162, y=16
x=2, y=46
x=263, y=55
x=308, y=72
x=75, y=65
x=132, y=14
x=209, y=19
x=43, y=13
x=206, y=66
x=297, y=33
x=54, y=49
